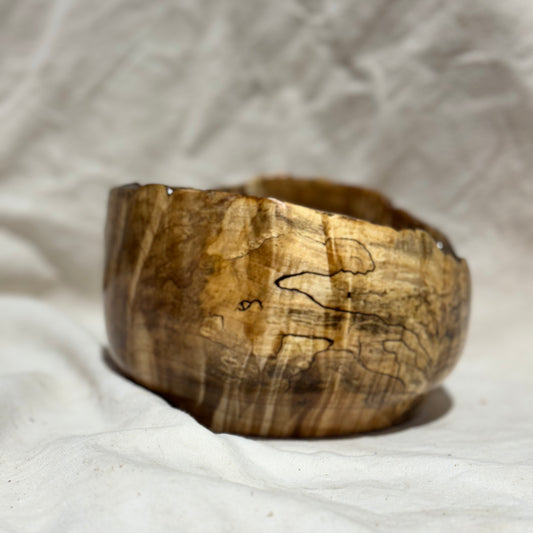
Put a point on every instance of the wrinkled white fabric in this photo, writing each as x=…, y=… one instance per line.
x=429, y=101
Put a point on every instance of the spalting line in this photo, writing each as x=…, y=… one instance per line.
x=340, y=310
x=297, y=336
x=244, y=305
x=312, y=298
x=278, y=282
x=371, y=268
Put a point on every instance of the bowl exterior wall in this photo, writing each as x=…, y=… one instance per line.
x=267, y=318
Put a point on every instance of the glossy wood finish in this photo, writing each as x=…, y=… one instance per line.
x=264, y=317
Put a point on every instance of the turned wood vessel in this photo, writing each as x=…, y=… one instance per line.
x=284, y=307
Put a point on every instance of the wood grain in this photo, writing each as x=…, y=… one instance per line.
x=281, y=308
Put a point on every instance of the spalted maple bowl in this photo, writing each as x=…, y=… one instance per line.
x=284, y=307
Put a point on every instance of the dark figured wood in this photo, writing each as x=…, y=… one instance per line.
x=281, y=308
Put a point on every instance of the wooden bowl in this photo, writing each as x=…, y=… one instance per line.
x=282, y=308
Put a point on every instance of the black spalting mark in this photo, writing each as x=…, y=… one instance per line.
x=278, y=282
x=244, y=305
x=338, y=309
x=297, y=336
x=353, y=272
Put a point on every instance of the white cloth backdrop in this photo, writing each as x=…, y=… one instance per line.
x=430, y=101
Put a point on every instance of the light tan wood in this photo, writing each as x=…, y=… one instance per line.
x=261, y=316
